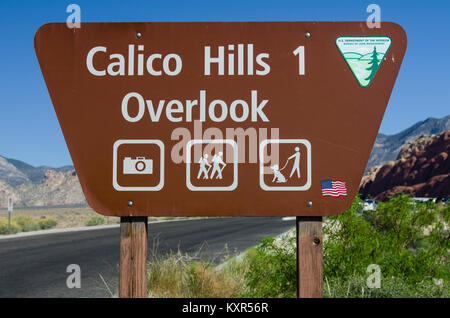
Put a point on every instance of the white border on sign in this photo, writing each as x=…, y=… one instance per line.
x=157, y=142
x=264, y=143
x=211, y=141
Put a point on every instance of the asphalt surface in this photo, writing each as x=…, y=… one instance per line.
x=35, y=266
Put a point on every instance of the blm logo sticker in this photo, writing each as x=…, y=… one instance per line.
x=364, y=55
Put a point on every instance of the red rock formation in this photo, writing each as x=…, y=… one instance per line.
x=422, y=169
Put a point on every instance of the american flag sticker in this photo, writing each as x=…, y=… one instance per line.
x=333, y=188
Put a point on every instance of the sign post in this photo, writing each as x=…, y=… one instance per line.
x=10, y=208
x=220, y=119
x=309, y=257
x=133, y=257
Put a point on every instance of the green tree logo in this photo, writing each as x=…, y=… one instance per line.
x=374, y=64
x=364, y=55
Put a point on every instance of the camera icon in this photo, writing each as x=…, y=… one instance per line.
x=131, y=169
x=140, y=165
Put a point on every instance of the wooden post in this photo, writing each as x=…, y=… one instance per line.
x=133, y=257
x=309, y=257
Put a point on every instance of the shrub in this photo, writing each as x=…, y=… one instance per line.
x=444, y=214
x=408, y=240
x=96, y=220
x=272, y=268
x=5, y=228
x=348, y=243
x=47, y=223
x=26, y=223
x=405, y=238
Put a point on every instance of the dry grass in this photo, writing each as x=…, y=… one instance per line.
x=182, y=276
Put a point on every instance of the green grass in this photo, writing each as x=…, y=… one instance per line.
x=391, y=287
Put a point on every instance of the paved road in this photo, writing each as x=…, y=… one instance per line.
x=35, y=266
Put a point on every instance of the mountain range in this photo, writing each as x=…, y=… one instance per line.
x=38, y=186
x=16, y=172
x=387, y=147
x=43, y=185
x=422, y=169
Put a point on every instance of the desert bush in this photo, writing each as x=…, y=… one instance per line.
x=444, y=214
x=408, y=240
x=26, y=223
x=47, y=223
x=405, y=238
x=272, y=268
x=6, y=228
x=96, y=220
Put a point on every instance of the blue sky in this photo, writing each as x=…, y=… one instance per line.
x=29, y=130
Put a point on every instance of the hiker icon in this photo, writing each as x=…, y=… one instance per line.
x=217, y=166
x=213, y=166
x=203, y=163
x=278, y=177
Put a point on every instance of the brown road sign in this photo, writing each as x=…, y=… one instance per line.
x=242, y=118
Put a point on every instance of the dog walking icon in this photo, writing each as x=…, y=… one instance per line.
x=278, y=177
